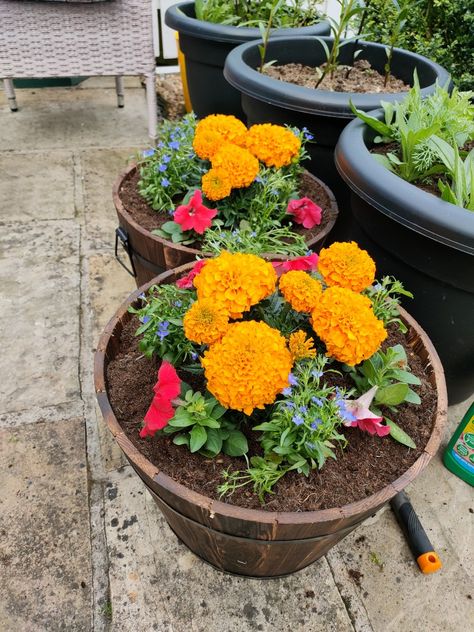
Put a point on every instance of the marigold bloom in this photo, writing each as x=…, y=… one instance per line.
x=308, y=262
x=300, y=290
x=301, y=346
x=228, y=127
x=345, y=322
x=305, y=212
x=205, y=322
x=249, y=367
x=239, y=164
x=274, y=145
x=161, y=410
x=237, y=281
x=216, y=184
x=187, y=282
x=194, y=215
x=344, y=264
x=206, y=143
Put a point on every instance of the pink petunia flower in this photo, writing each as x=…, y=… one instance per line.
x=305, y=212
x=309, y=262
x=194, y=215
x=358, y=414
x=186, y=282
x=161, y=409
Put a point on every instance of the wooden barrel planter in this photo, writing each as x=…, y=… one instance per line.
x=151, y=255
x=250, y=542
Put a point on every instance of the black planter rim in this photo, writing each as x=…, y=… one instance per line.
x=403, y=202
x=311, y=101
x=178, y=19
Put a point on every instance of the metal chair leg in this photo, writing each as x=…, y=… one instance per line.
x=10, y=92
x=119, y=90
x=152, y=107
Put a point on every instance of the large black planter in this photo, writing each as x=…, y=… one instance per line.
x=205, y=47
x=324, y=113
x=426, y=243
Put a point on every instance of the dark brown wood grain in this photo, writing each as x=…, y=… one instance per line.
x=163, y=254
x=269, y=543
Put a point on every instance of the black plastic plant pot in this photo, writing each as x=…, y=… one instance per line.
x=323, y=113
x=205, y=46
x=426, y=243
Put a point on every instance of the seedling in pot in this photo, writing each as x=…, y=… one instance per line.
x=265, y=33
x=400, y=18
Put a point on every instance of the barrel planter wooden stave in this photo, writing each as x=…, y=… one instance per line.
x=151, y=255
x=250, y=542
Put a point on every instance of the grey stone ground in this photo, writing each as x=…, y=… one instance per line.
x=82, y=545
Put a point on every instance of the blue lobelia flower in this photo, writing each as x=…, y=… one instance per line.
x=287, y=391
x=166, y=159
x=307, y=134
x=161, y=168
x=163, y=330
x=174, y=144
x=194, y=356
x=317, y=401
x=317, y=422
x=165, y=182
x=292, y=380
x=145, y=319
x=147, y=153
x=297, y=420
x=303, y=409
x=316, y=374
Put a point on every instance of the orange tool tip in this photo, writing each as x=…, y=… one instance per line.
x=429, y=562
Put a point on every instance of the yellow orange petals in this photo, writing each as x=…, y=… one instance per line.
x=205, y=322
x=344, y=264
x=274, y=145
x=237, y=281
x=301, y=346
x=300, y=290
x=216, y=184
x=249, y=367
x=345, y=322
x=240, y=166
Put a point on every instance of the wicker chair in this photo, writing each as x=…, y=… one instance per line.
x=60, y=39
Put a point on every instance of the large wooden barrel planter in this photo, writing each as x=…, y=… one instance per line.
x=151, y=255
x=257, y=543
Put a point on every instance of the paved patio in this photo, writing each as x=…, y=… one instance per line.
x=83, y=546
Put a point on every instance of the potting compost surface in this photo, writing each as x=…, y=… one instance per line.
x=147, y=218
x=365, y=466
x=360, y=77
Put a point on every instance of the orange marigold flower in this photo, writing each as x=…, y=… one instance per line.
x=239, y=164
x=206, y=143
x=249, y=367
x=345, y=322
x=216, y=184
x=301, y=346
x=274, y=145
x=227, y=126
x=344, y=264
x=300, y=290
x=237, y=281
x=205, y=322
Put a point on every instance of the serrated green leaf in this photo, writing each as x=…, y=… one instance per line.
x=399, y=435
x=198, y=437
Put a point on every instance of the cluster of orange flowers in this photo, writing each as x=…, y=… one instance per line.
x=234, y=152
x=248, y=362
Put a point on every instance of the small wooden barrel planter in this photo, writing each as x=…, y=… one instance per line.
x=151, y=255
x=257, y=543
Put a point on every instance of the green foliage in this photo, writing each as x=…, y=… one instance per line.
x=173, y=168
x=350, y=9
x=303, y=425
x=174, y=233
x=389, y=371
x=263, y=475
x=294, y=13
x=265, y=30
x=199, y=420
x=401, y=10
x=161, y=316
x=385, y=297
x=277, y=240
x=441, y=30
x=279, y=314
x=415, y=122
x=460, y=173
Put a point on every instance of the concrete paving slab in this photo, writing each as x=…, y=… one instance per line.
x=99, y=169
x=39, y=314
x=376, y=563
x=44, y=527
x=71, y=118
x=36, y=186
x=156, y=583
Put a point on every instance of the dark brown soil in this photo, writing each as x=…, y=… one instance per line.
x=358, y=78
x=149, y=219
x=366, y=466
